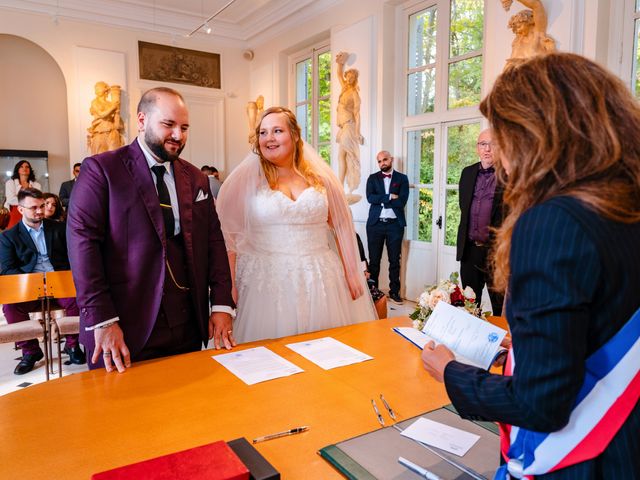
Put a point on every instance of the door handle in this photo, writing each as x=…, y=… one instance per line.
x=439, y=222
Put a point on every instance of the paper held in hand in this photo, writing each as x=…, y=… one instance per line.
x=472, y=340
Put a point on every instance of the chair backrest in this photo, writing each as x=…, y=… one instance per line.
x=23, y=287
x=60, y=284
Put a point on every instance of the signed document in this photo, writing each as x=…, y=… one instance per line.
x=328, y=352
x=473, y=340
x=256, y=365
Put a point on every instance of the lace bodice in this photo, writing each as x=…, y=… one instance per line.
x=284, y=226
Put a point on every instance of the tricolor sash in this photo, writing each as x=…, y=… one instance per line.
x=610, y=392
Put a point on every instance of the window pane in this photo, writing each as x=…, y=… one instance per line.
x=304, y=81
x=324, y=74
x=452, y=218
x=465, y=81
x=422, y=38
x=637, y=5
x=421, y=91
x=461, y=149
x=303, y=115
x=425, y=215
x=324, y=121
x=465, y=33
x=325, y=153
x=636, y=60
x=421, y=154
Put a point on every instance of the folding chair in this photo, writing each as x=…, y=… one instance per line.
x=25, y=287
x=60, y=285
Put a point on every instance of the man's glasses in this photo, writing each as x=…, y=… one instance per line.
x=485, y=145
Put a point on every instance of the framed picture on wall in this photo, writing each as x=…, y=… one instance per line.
x=164, y=63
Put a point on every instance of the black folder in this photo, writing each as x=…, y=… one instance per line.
x=374, y=455
x=259, y=467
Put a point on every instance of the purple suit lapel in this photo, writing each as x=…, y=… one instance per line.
x=138, y=167
x=185, y=202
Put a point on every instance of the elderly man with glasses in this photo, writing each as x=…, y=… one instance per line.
x=36, y=244
x=480, y=211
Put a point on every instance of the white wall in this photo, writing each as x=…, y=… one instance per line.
x=65, y=40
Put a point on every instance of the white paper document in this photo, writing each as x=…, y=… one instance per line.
x=328, y=352
x=439, y=435
x=472, y=340
x=256, y=365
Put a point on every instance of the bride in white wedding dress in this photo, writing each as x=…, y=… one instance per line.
x=281, y=210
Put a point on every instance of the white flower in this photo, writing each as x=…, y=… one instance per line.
x=423, y=301
x=436, y=295
x=417, y=324
x=469, y=293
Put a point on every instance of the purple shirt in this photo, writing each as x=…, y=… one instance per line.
x=481, y=205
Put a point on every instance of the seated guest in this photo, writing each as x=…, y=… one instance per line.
x=568, y=136
x=378, y=297
x=53, y=208
x=36, y=245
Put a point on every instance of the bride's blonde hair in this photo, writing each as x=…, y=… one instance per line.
x=300, y=165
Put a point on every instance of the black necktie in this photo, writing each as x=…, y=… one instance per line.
x=165, y=200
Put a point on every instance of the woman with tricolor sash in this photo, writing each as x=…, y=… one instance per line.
x=568, y=254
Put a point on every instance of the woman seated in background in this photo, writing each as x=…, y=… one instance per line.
x=23, y=177
x=568, y=136
x=278, y=210
x=53, y=207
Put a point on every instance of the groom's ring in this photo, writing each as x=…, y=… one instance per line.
x=229, y=332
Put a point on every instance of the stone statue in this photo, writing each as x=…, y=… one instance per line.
x=530, y=28
x=349, y=137
x=254, y=111
x=107, y=126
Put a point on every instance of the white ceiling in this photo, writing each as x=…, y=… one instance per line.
x=243, y=20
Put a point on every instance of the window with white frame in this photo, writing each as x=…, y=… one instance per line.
x=312, y=94
x=635, y=73
x=441, y=121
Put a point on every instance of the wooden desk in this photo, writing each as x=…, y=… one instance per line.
x=93, y=421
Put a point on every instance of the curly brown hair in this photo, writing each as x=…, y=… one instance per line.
x=564, y=126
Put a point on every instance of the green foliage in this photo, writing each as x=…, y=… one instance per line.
x=324, y=74
x=466, y=27
x=461, y=149
x=427, y=153
x=451, y=218
x=425, y=215
x=465, y=82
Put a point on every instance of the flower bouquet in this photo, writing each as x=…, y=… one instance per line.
x=449, y=291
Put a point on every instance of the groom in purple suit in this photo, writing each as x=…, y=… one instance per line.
x=145, y=246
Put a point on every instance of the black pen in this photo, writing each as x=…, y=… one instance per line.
x=286, y=433
x=386, y=405
x=375, y=409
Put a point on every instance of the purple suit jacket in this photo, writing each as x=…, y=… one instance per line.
x=115, y=235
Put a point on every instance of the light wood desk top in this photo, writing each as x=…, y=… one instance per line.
x=86, y=423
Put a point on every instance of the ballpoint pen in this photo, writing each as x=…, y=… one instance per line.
x=286, y=433
x=375, y=409
x=388, y=407
x=423, y=472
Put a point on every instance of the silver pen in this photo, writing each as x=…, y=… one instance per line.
x=386, y=405
x=375, y=409
x=286, y=433
x=417, y=469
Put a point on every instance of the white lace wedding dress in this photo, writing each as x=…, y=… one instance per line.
x=293, y=282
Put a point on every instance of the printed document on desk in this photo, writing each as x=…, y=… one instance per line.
x=473, y=340
x=328, y=352
x=444, y=437
x=256, y=365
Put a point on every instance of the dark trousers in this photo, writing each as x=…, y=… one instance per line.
x=378, y=234
x=176, y=329
x=19, y=312
x=474, y=272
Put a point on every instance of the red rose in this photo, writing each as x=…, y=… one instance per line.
x=457, y=298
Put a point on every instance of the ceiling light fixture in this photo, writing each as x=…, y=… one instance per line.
x=205, y=25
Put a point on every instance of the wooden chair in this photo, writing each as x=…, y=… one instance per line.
x=60, y=285
x=25, y=287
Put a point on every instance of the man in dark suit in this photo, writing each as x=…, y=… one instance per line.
x=387, y=192
x=480, y=209
x=146, y=249
x=67, y=187
x=35, y=245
